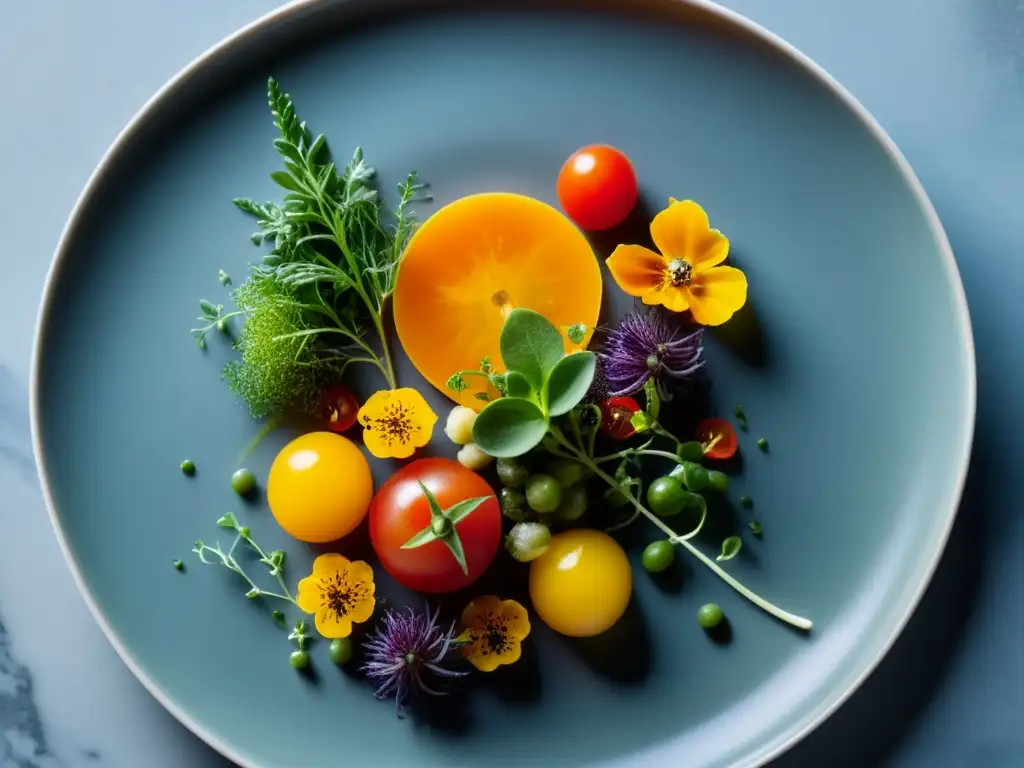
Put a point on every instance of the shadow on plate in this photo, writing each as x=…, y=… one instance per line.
x=603, y=654
x=868, y=728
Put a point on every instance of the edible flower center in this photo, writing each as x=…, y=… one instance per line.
x=679, y=272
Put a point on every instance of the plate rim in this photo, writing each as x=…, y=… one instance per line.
x=295, y=8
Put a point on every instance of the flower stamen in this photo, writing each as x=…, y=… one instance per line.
x=680, y=273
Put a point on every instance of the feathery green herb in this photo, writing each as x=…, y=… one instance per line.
x=312, y=303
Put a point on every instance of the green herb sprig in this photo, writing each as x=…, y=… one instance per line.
x=273, y=560
x=312, y=303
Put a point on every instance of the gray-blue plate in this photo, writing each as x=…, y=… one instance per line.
x=859, y=370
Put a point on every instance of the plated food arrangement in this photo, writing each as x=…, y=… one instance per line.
x=571, y=427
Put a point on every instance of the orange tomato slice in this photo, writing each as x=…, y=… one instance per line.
x=473, y=262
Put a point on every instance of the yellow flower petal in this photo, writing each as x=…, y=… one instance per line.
x=329, y=563
x=512, y=654
x=518, y=620
x=716, y=294
x=360, y=571
x=475, y=614
x=363, y=609
x=483, y=663
x=308, y=596
x=682, y=231
x=396, y=423
x=330, y=625
x=636, y=269
x=672, y=298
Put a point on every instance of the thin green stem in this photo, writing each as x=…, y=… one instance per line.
x=662, y=454
x=797, y=621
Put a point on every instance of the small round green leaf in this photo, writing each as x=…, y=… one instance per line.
x=517, y=385
x=569, y=381
x=509, y=427
x=530, y=345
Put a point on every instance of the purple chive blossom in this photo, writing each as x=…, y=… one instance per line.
x=406, y=649
x=650, y=345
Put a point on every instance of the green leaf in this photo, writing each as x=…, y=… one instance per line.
x=568, y=382
x=531, y=345
x=228, y=521
x=517, y=385
x=509, y=427
x=285, y=180
x=456, y=383
x=435, y=508
x=577, y=333
x=497, y=380
x=456, y=513
x=481, y=396
x=730, y=548
x=641, y=421
x=653, y=399
x=425, y=536
x=455, y=547
x=207, y=308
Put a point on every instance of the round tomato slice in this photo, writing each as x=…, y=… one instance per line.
x=338, y=408
x=401, y=510
x=616, y=417
x=718, y=438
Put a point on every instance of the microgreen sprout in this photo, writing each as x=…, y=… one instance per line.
x=224, y=277
x=214, y=317
x=274, y=560
x=756, y=528
x=300, y=634
x=179, y=566
x=730, y=548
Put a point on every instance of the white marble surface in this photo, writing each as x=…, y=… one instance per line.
x=945, y=77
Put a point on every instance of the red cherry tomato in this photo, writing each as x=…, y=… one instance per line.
x=597, y=187
x=338, y=408
x=616, y=413
x=718, y=438
x=400, y=510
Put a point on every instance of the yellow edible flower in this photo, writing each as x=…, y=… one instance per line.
x=685, y=275
x=339, y=593
x=396, y=422
x=494, y=630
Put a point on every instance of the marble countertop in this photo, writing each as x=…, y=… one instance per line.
x=944, y=77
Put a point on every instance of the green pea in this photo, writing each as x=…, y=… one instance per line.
x=710, y=615
x=762, y=444
x=528, y=541
x=573, y=504
x=719, y=480
x=512, y=473
x=188, y=467
x=695, y=477
x=513, y=504
x=665, y=496
x=243, y=482
x=756, y=528
x=658, y=555
x=179, y=566
x=341, y=650
x=543, y=493
x=746, y=502
x=566, y=471
x=691, y=451
x=299, y=659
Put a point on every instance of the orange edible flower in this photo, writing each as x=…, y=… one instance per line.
x=494, y=631
x=339, y=593
x=685, y=275
x=396, y=422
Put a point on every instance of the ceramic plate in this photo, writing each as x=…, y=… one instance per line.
x=855, y=361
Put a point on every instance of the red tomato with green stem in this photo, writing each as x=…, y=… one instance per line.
x=597, y=187
x=415, y=546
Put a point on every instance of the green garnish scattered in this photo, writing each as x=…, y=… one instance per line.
x=317, y=295
x=741, y=417
x=755, y=528
x=273, y=560
x=341, y=650
x=300, y=634
x=224, y=277
x=730, y=548
x=710, y=615
x=179, y=566
x=278, y=617
x=188, y=467
x=746, y=502
x=243, y=482
x=577, y=333
x=763, y=444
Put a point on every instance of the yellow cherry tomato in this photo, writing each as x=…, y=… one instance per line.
x=319, y=487
x=582, y=583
